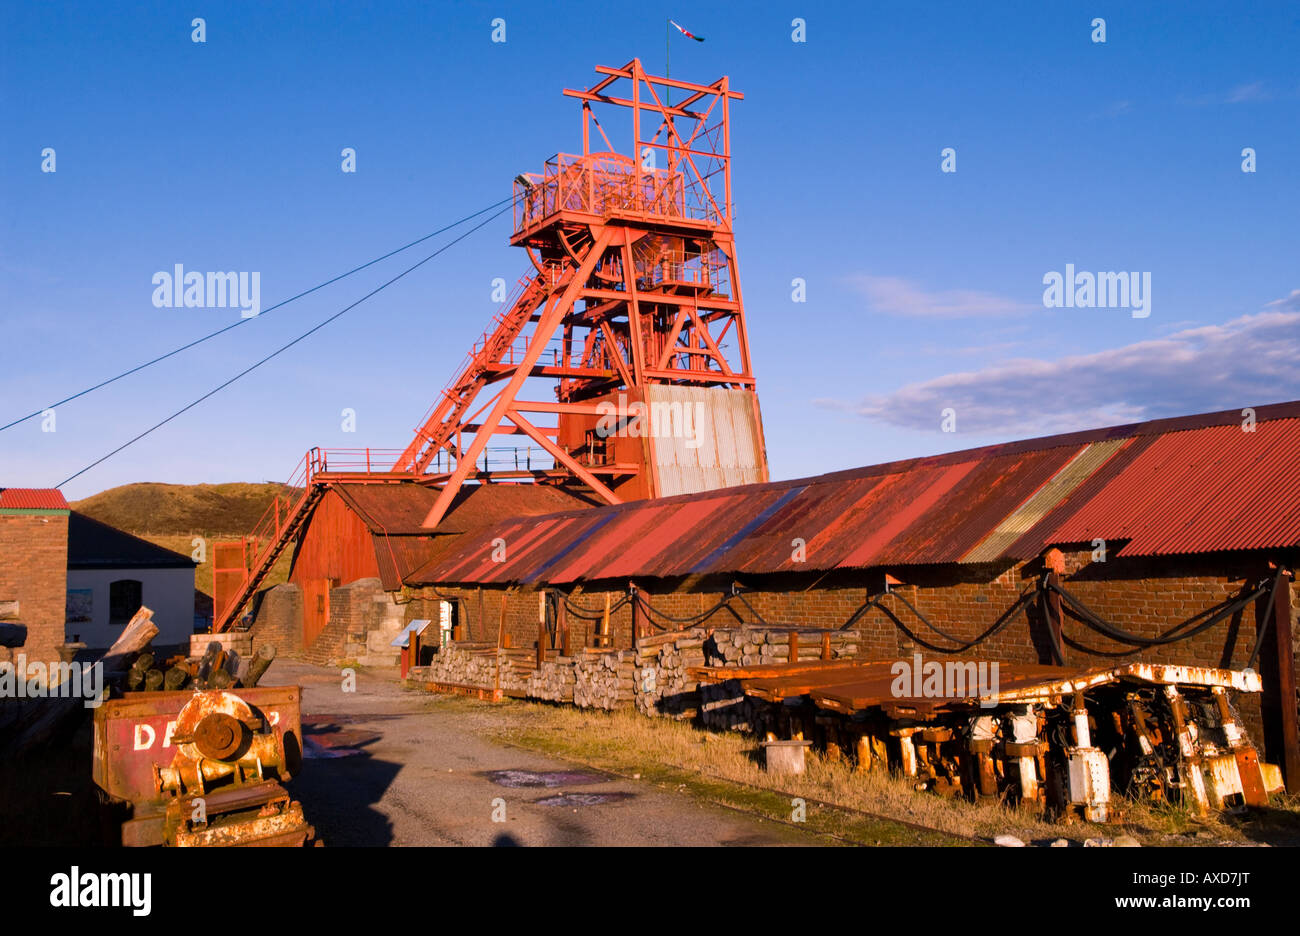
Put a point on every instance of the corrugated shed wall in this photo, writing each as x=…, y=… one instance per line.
x=336, y=547
x=706, y=438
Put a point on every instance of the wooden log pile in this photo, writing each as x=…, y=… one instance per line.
x=654, y=677
x=756, y=646
x=553, y=681
x=604, y=679
x=470, y=666
x=662, y=685
x=665, y=688
x=725, y=707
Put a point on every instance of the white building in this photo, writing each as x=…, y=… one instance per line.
x=112, y=573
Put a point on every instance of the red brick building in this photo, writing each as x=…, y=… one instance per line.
x=67, y=577
x=34, y=567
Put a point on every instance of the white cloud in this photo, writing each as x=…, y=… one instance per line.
x=1248, y=92
x=1287, y=303
x=1240, y=94
x=892, y=295
x=1115, y=109
x=1247, y=361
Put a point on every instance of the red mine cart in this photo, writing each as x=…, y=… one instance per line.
x=203, y=768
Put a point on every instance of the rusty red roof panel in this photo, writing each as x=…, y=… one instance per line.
x=1180, y=485
x=1201, y=490
x=399, y=556
x=485, y=562
x=394, y=509
x=611, y=540
x=983, y=498
x=1040, y=536
x=399, y=508
x=32, y=499
x=828, y=519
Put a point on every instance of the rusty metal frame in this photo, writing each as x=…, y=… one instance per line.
x=635, y=275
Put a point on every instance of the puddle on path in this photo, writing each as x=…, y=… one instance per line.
x=543, y=778
x=583, y=799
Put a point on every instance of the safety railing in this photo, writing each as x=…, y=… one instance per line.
x=499, y=459
x=356, y=460
x=608, y=184
x=261, y=547
x=706, y=270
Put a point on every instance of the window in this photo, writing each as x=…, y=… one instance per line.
x=125, y=596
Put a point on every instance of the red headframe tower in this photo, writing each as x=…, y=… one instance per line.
x=622, y=357
x=632, y=309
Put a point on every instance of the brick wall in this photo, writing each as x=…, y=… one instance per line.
x=277, y=619
x=369, y=620
x=34, y=572
x=1143, y=596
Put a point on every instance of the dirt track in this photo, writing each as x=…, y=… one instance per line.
x=390, y=767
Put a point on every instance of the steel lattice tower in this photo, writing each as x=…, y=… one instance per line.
x=633, y=307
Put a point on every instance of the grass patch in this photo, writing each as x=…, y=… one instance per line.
x=861, y=807
x=171, y=515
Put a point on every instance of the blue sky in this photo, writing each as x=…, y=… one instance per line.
x=924, y=288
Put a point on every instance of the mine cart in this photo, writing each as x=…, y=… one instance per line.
x=203, y=767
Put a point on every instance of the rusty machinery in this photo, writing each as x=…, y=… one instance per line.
x=1060, y=744
x=203, y=767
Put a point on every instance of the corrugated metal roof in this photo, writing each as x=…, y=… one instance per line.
x=723, y=448
x=399, y=509
x=399, y=556
x=1031, y=512
x=1187, y=485
x=1217, y=488
x=1039, y=536
x=32, y=499
x=394, y=513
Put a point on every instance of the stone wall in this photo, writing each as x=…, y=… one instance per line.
x=370, y=619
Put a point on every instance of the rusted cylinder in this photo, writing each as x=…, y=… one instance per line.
x=219, y=736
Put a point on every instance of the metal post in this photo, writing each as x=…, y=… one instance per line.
x=668, y=61
x=1055, y=616
x=1286, y=687
x=541, y=628
x=636, y=617
x=564, y=625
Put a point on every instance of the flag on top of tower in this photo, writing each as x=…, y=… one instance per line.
x=685, y=33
